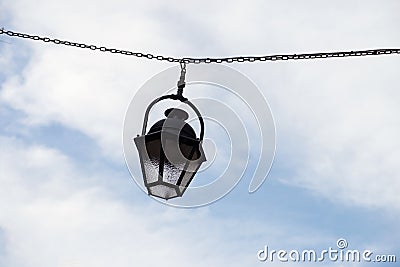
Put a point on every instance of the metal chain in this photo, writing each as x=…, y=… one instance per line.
x=187, y=60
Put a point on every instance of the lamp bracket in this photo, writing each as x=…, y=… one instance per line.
x=181, y=83
x=178, y=98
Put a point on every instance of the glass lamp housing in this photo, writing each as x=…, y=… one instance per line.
x=170, y=155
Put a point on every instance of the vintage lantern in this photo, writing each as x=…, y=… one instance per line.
x=170, y=153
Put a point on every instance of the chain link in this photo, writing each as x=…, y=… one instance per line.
x=187, y=60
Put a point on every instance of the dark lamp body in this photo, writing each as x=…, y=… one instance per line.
x=170, y=155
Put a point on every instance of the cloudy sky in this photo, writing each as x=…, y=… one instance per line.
x=67, y=198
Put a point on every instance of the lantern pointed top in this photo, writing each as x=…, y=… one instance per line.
x=176, y=113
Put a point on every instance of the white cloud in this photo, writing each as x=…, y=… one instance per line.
x=90, y=91
x=51, y=219
x=336, y=119
x=344, y=128
x=65, y=88
x=337, y=122
x=54, y=214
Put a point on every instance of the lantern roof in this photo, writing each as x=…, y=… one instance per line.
x=174, y=123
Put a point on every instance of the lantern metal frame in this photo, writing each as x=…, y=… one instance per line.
x=174, y=97
x=160, y=181
x=171, y=188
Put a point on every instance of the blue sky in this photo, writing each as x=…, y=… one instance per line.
x=67, y=198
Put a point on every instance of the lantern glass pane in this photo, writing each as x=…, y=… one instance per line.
x=151, y=169
x=163, y=191
x=151, y=161
x=187, y=177
x=190, y=149
x=172, y=171
x=191, y=170
x=174, y=160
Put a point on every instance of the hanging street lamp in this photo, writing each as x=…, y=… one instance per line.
x=170, y=152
